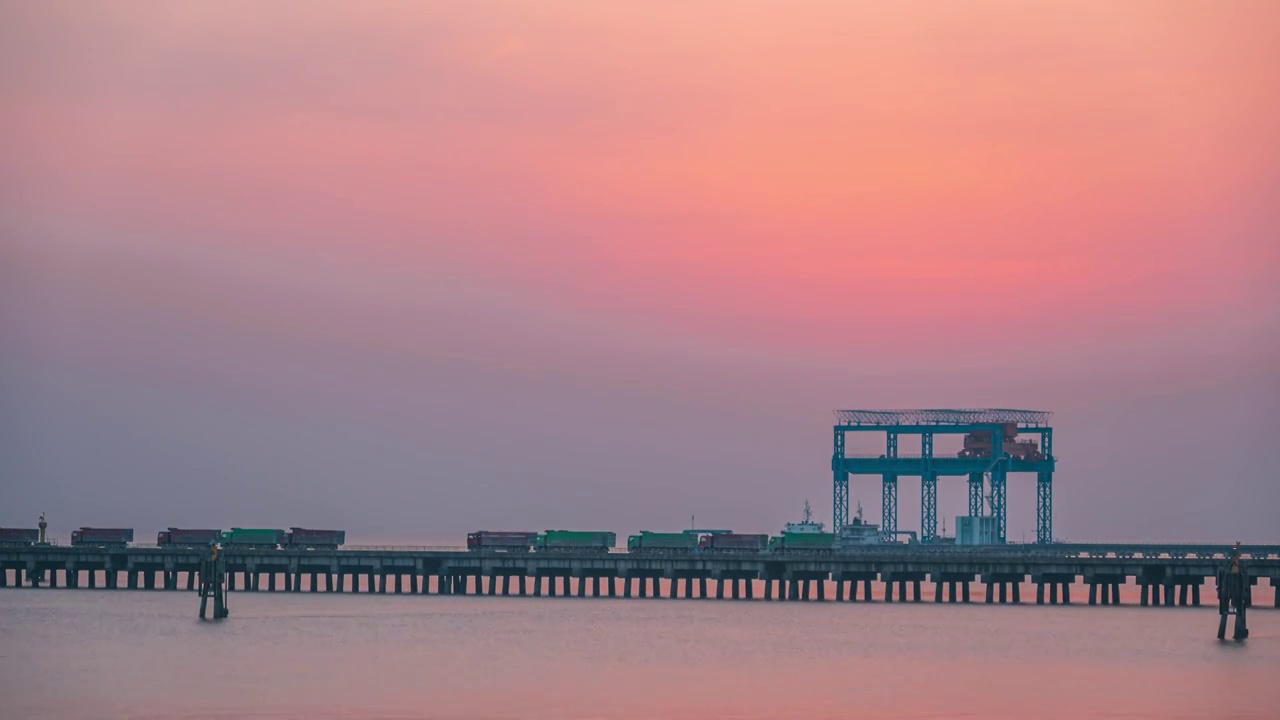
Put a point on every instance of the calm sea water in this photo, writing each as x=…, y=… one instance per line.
x=69, y=654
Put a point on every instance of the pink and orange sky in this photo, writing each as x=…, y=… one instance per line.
x=430, y=267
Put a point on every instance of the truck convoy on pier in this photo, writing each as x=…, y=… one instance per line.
x=102, y=537
x=18, y=536
x=656, y=542
x=254, y=538
x=273, y=538
x=240, y=538
x=501, y=541
x=178, y=537
x=803, y=537
x=315, y=539
x=733, y=543
x=574, y=541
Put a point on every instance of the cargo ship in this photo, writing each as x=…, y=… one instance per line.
x=804, y=527
x=860, y=532
x=805, y=536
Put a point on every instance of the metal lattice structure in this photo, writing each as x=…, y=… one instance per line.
x=975, y=494
x=992, y=466
x=967, y=416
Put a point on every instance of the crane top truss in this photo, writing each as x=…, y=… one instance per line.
x=970, y=416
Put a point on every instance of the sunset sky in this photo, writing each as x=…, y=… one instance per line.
x=419, y=268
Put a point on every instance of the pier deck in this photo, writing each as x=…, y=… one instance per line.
x=1166, y=574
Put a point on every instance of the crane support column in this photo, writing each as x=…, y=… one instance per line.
x=1044, y=508
x=929, y=508
x=999, y=474
x=889, y=492
x=840, y=484
x=975, y=494
x=928, y=492
x=998, y=502
x=1044, y=492
x=889, y=506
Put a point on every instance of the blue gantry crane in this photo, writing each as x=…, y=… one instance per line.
x=994, y=445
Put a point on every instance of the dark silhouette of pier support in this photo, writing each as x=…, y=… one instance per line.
x=1234, y=596
x=213, y=584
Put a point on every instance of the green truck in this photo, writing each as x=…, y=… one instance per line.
x=662, y=542
x=574, y=541
x=806, y=542
x=254, y=538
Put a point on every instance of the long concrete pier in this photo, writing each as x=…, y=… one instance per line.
x=1165, y=575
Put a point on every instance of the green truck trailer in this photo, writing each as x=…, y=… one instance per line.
x=803, y=542
x=662, y=542
x=265, y=538
x=574, y=541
